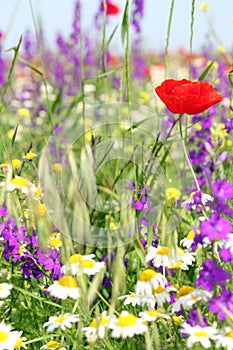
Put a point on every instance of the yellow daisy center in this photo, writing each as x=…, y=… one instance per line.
x=24, y=112
x=60, y=319
x=177, y=265
x=132, y=295
x=155, y=312
x=147, y=275
x=76, y=258
x=67, y=281
x=3, y=336
x=158, y=290
x=184, y=291
x=126, y=320
x=230, y=334
x=1, y=288
x=18, y=344
x=102, y=321
x=191, y=235
x=88, y=264
x=163, y=251
x=20, y=181
x=201, y=334
x=53, y=344
x=54, y=242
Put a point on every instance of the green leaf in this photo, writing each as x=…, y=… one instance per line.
x=204, y=74
x=134, y=126
x=111, y=36
x=14, y=136
x=124, y=25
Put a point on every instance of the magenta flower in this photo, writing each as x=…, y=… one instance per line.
x=220, y=304
x=210, y=274
x=222, y=189
x=216, y=227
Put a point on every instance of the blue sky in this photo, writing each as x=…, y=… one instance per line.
x=56, y=15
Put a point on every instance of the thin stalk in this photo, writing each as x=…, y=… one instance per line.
x=82, y=69
x=168, y=37
x=127, y=73
x=189, y=163
x=191, y=37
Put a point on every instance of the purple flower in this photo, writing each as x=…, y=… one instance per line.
x=210, y=274
x=216, y=227
x=222, y=189
x=195, y=318
x=30, y=269
x=220, y=304
x=225, y=254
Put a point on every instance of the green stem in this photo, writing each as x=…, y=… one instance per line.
x=191, y=37
x=127, y=74
x=82, y=69
x=168, y=37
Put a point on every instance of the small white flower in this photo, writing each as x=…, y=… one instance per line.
x=171, y=258
x=131, y=298
x=153, y=315
x=205, y=198
x=162, y=295
x=83, y=263
x=188, y=296
x=126, y=325
x=98, y=327
x=65, y=287
x=225, y=338
x=8, y=338
x=149, y=280
x=229, y=242
x=199, y=334
x=5, y=290
x=52, y=344
x=61, y=321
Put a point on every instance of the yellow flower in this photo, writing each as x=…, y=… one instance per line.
x=42, y=209
x=172, y=194
x=29, y=156
x=16, y=163
x=57, y=168
x=24, y=112
x=204, y=6
x=221, y=49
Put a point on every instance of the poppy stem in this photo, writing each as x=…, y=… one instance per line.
x=189, y=163
x=186, y=153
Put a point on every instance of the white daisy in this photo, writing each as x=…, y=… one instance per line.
x=161, y=256
x=171, y=258
x=162, y=295
x=5, y=290
x=188, y=296
x=52, y=344
x=188, y=240
x=8, y=338
x=229, y=242
x=61, y=321
x=18, y=183
x=153, y=315
x=65, y=287
x=149, y=280
x=83, y=263
x=20, y=342
x=131, y=298
x=126, y=325
x=98, y=327
x=205, y=198
x=225, y=338
x=199, y=334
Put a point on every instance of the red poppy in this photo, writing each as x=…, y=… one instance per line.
x=185, y=96
x=112, y=9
